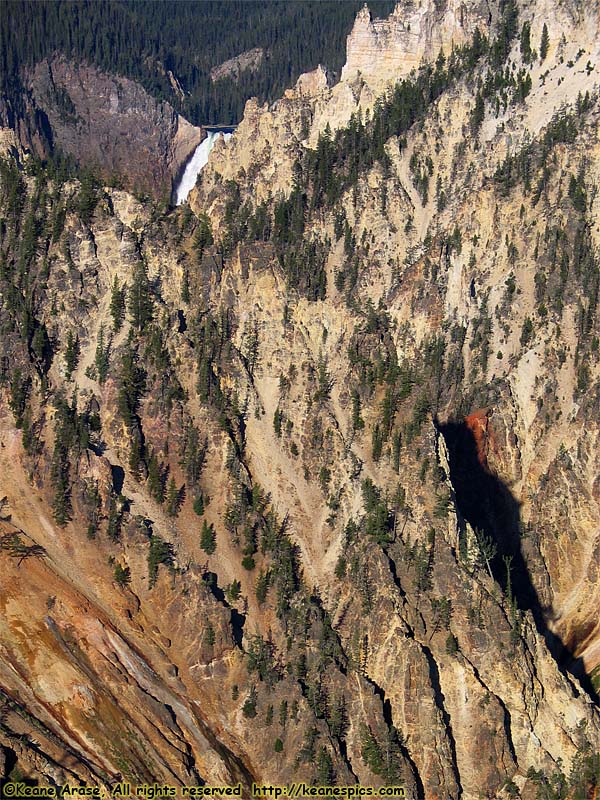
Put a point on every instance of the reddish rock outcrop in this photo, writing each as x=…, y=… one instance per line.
x=479, y=423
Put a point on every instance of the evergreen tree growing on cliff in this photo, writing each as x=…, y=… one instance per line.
x=141, y=305
x=371, y=751
x=507, y=31
x=193, y=455
x=325, y=771
x=117, y=304
x=71, y=354
x=160, y=552
x=19, y=391
x=122, y=575
x=173, y=499
x=101, y=359
x=131, y=386
x=203, y=237
x=87, y=199
x=208, y=539
x=526, y=43
x=545, y=43
x=65, y=438
x=155, y=479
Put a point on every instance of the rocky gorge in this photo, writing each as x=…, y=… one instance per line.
x=301, y=478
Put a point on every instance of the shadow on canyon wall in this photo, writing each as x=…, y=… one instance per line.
x=488, y=505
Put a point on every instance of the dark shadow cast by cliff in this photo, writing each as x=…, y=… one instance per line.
x=237, y=619
x=488, y=505
x=118, y=478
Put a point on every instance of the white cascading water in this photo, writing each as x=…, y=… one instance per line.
x=195, y=164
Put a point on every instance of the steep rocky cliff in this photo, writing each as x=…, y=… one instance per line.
x=465, y=156
x=384, y=50
x=108, y=124
x=303, y=485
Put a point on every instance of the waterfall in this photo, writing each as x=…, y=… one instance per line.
x=195, y=164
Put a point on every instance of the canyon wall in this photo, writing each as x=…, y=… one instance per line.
x=317, y=497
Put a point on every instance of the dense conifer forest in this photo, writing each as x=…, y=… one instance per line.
x=144, y=40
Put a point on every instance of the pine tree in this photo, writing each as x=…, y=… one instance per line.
x=233, y=591
x=478, y=114
x=41, y=347
x=59, y=477
x=199, y=504
x=193, y=455
x=324, y=380
x=131, y=386
x=203, y=237
x=185, y=287
x=325, y=771
x=160, y=552
x=71, y=354
x=122, y=575
x=65, y=439
x=155, y=479
x=545, y=43
x=141, y=305
x=117, y=304
x=487, y=550
x=249, y=707
x=277, y=420
x=377, y=442
x=338, y=717
x=210, y=636
x=251, y=347
x=526, y=42
x=101, y=359
x=357, y=421
x=87, y=199
x=262, y=586
x=136, y=453
x=208, y=539
x=172, y=500
x=283, y=713
x=114, y=521
x=392, y=752
x=19, y=390
x=371, y=751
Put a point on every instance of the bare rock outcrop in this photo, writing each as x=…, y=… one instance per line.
x=385, y=50
x=249, y=61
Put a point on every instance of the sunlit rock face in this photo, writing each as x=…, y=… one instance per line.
x=384, y=50
x=348, y=530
